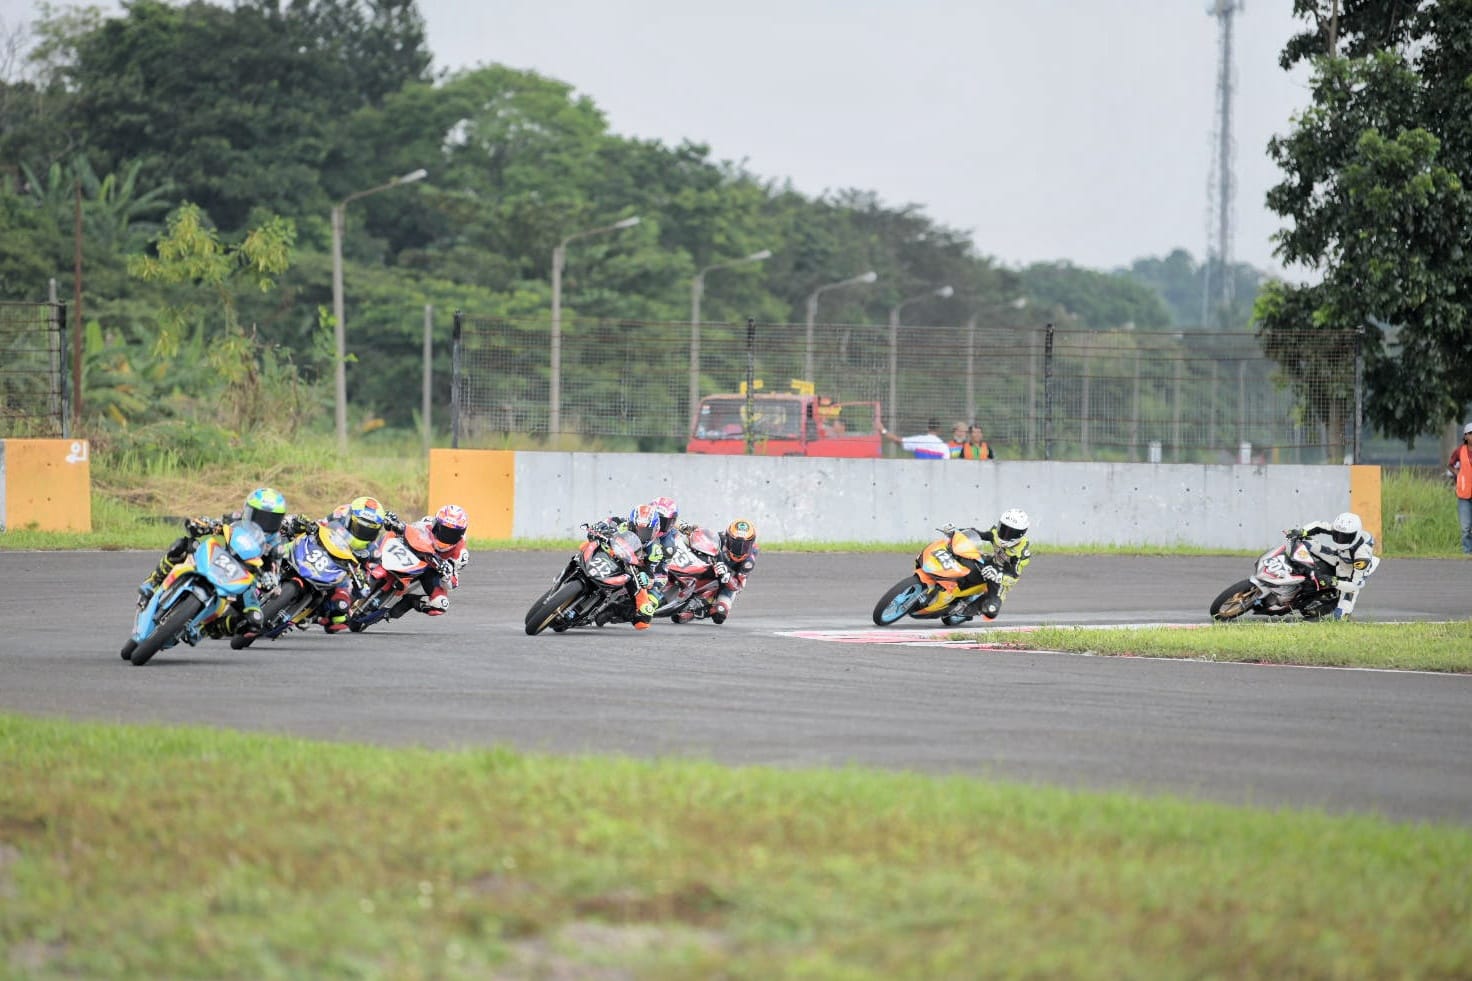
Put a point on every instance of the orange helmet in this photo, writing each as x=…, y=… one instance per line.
x=739, y=540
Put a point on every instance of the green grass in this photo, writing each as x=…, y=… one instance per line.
x=1397, y=646
x=142, y=852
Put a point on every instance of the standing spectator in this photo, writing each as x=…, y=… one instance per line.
x=976, y=447
x=928, y=445
x=957, y=440
x=1460, y=467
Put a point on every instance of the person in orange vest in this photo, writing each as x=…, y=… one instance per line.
x=1460, y=467
x=976, y=447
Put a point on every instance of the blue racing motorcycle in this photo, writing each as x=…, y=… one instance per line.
x=197, y=591
x=313, y=565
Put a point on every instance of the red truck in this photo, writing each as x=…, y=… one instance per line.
x=786, y=424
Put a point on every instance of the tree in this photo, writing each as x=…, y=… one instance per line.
x=1376, y=190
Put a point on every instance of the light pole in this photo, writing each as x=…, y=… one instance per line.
x=339, y=329
x=559, y=259
x=807, y=364
x=1016, y=304
x=894, y=341
x=697, y=290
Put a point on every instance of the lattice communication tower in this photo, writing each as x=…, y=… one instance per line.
x=1216, y=294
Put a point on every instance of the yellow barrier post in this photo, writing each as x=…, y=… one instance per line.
x=1364, y=497
x=45, y=485
x=483, y=482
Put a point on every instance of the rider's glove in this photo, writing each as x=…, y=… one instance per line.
x=722, y=572
x=1292, y=532
x=463, y=559
x=198, y=526
x=991, y=573
x=254, y=620
x=392, y=522
x=641, y=578
x=948, y=529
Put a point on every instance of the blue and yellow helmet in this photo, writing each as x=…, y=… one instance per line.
x=266, y=508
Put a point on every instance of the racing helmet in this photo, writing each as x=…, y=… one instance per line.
x=738, y=540
x=266, y=509
x=644, y=522
x=669, y=512
x=1347, y=528
x=448, y=527
x=364, y=521
x=1011, y=527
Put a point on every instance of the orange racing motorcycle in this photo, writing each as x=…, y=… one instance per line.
x=935, y=591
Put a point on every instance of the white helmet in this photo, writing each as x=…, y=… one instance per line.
x=1012, y=527
x=1347, y=528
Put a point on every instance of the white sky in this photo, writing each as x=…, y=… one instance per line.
x=1048, y=129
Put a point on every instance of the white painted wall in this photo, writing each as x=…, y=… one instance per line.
x=903, y=501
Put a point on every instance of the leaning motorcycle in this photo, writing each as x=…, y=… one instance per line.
x=693, y=577
x=393, y=569
x=1290, y=578
x=593, y=587
x=197, y=591
x=312, y=566
x=935, y=591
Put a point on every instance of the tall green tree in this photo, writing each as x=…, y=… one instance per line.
x=1376, y=190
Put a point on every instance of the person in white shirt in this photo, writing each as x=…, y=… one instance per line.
x=929, y=445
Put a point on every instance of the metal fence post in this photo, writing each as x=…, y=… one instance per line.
x=1048, y=394
x=750, y=385
x=455, y=380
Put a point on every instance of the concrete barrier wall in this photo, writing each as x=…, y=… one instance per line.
x=902, y=501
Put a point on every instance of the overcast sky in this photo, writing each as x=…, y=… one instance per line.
x=1048, y=129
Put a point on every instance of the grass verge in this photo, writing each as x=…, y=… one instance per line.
x=145, y=852
x=1391, y=646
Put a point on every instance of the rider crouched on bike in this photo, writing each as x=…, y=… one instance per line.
x=266, y=508
x=364, y=519
x=1348, y=548
x=647, y=586
x=447, y=528
x=1001, y=570
x=735, y=561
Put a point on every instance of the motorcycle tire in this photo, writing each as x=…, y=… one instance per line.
x=274, y=607
x=1234, y=601
x=168, y=629
x=904, y=596
x=128, y=649
x=551, y=606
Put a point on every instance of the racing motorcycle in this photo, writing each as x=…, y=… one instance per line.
x=592, y=588
x=313, y=565
x=693, y=582
x=1290, y=577
x=393, y=568
x=935, y=592
x=197, y=591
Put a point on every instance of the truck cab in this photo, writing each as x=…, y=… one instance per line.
x=785, y=424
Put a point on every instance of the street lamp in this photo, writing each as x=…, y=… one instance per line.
x=1016, y=304
x=867, y=277
x=894, y=341
x=339, y=329
x=697, y=290
x=559, y=259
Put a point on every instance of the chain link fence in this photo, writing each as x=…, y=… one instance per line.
x=1039, y=392
x=35, y=396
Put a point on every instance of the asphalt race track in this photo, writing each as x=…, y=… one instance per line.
x=1394, y=743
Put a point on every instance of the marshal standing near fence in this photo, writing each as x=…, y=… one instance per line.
x=1459, y=467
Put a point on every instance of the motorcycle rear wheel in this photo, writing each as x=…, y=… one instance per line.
x=168, y=629
x=1234, y=601
x=899, y=600
x=551, y=606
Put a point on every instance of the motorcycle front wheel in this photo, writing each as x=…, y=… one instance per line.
x=1234, y=601
x=902, y=597
x=168, y=629
x=271, y=612
x=551, y=606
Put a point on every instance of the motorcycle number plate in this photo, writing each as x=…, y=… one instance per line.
x=601, y=565
x=398, y=554
x=946, y=560
x=1277, y=567
x=320, y=562
x=225, y=566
